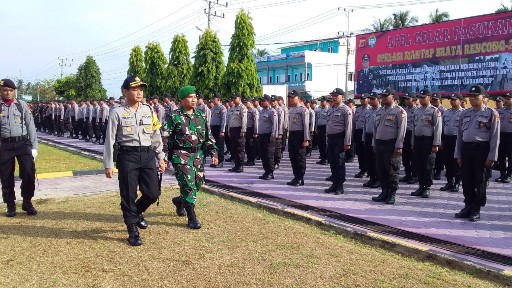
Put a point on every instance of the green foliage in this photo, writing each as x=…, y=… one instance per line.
x=438, y=16
x=208, y=64
x=261, y=52
x=381, y=25
x=136, y=63
x=402, y=19
x=42, y=90
x=65, y=87
x=241, y=76
x=503, y=9
x=155, y=62
x=88, y=81
x=179, y=69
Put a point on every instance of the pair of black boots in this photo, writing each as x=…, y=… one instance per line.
x=296, y=182
x=452, y=185
x=469, y=211
x=373, y=183
x=335, y=188
x=267, y=176
x=26, y=206
x=385, y=196
x=183, y=208
x=422, y=191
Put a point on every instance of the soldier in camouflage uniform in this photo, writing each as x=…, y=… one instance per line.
x=189, y=138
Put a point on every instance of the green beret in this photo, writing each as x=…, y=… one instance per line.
x=185, y=91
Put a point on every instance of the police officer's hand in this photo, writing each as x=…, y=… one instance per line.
x=305, y=143
x=161, y=166
x=242, y=134
x=221, y=134
x=435, y=149
x=346, y=147
x=279, y=136
x=109, y=172
x=398, y=151
x=255, y=136
x=459, y=162
x=488, y=163
x=215, y=161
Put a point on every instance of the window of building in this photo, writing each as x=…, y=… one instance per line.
x=307, y=77
x=295, y=79
x=301, y=77
x=329, y=50
x=269, y=79
x=288, y=78
x=277, y=79
x=350, y=76
x=260, y=81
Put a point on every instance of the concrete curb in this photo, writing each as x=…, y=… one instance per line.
x=396, y=245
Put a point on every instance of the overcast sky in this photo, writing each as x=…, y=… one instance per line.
x=36, y=33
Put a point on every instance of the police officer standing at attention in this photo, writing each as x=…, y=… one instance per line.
x=218, y=126
x=267, y=136
x=139, y=141
x=339, y=139
x=321, y=124
x=18, y=141
x=369, y=124
x=476, y=150
x=252, y=132
x=439, y=165
x=388, y=140
x=505, y=147
x=237, y=128
x=280, y=141
x=358, y=134
x=449, y=139
x=298, y=139
x=407, y=152
x=426, y=131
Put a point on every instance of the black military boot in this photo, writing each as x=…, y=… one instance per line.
x=11, y=209
x=418, y=192
x=361, y=174
x=330, y=178
x=193, y=223
x=297, y=183
x=133, y=235
x=475, y=215
x=426, y=192
x=370, y=182
x=339, y=190
x=382, y=196
x=28, y=207
x=464, y=213
x=142, y=224
x=240, y=169
x=456, y=185
x=331, y=189
x=391, y=197
x=178, y=202
x=292, y=183
x=447, y=186
x=262, y=177
x=269, y=176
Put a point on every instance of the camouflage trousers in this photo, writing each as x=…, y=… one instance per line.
x=190, y=176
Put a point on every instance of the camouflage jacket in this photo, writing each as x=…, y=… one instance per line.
x=189, y=137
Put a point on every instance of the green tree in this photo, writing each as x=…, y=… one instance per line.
x=42, y=90
x=208, y=64
x=136, y=62
x=503, y=9
x=402, y=19
x=20, y=86
x=88, y=81
x=155, y=62
x=381, y=24
x=241, y=76
x=65, y=87
x=179, y=69
x=261, y=52
x=438, y=16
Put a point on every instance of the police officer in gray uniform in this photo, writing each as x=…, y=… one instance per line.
x=407, y=152
x=477, y=148
x=298, y=139
x=81, y=120
x=267, y=136
x=449, y=139
x=359, y=121
x=217, y=127
x=321, y=124
x=426, y=133
x=439, y=162
x=505, y=147
x=280, y=141
x=130, y=127
x=339, y=138
x=388, y=141
x=73, y=113
x=252, y=132
x=286, y=122
x=87, y=121
x=237, y=128
x=370, y=158
x=18, y=140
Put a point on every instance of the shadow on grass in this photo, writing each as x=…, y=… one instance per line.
x=33, y=231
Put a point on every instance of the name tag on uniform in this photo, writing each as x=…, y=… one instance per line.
x=427, y=120
x=390, y=117
x=337, y=114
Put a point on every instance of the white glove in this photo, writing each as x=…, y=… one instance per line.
x=34, y=153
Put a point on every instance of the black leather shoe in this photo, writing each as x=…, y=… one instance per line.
x=240, y=169
x=390, y=200
x=178, y=202
x=455, y=187
x=330, y=178
x=339, y=191
x=133, y=235
x=370, y=182
x=11, y=210
x=413, y=180
x=331, y=189
x=292, y=183
x=475, y=215
x=381, y=198
x=418, y=192
x=426, y=193
x=361, y=174
x=269, y=176
x=376, y=184
x=193, y=222
x=464, y=213
x=29, y=208
x=262, y=177
x=142, y=224
x=447, y=186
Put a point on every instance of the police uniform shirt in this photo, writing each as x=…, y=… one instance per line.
x=299, y=120
x=94, y=111
x=218, y=116
x=369, y=120
x=479, y=126
x=238, y=117
x=58, y=110
x=339, y=119
x=67, y=112
x=428, y=122
x=451, y=121
x=286, y=123
x=259, y=108
x=359, y=116
x=87, y=113
x=206, y=111
x=99, y=115
x=131, y=128
x=410, y=116
x=252, y=119
x=280, y=119
x=106, y=111
x=268, y=122
x=506, y=120
x=312, y=120
x=73, y=112
x=390, y=123
x=11, y=122
x=81, y=112
x=321, y=116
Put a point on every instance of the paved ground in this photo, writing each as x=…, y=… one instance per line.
x=433, y=217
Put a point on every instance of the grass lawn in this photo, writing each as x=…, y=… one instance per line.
x=50, y=159
x=81, y=242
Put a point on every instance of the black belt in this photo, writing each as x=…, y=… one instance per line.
x=14, y=139
x=187, y=149
x=476, y=144
x=134, y=148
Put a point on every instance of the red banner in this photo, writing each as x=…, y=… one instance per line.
x=447, y=57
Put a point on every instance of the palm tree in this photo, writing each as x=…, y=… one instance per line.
x=503, y=8
x=438, y=17
x=403, y=19
x=381, y=25
x=261, y=52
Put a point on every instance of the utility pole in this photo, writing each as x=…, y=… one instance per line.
x=64, y=63
x=347, y=38
x=208, y=11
